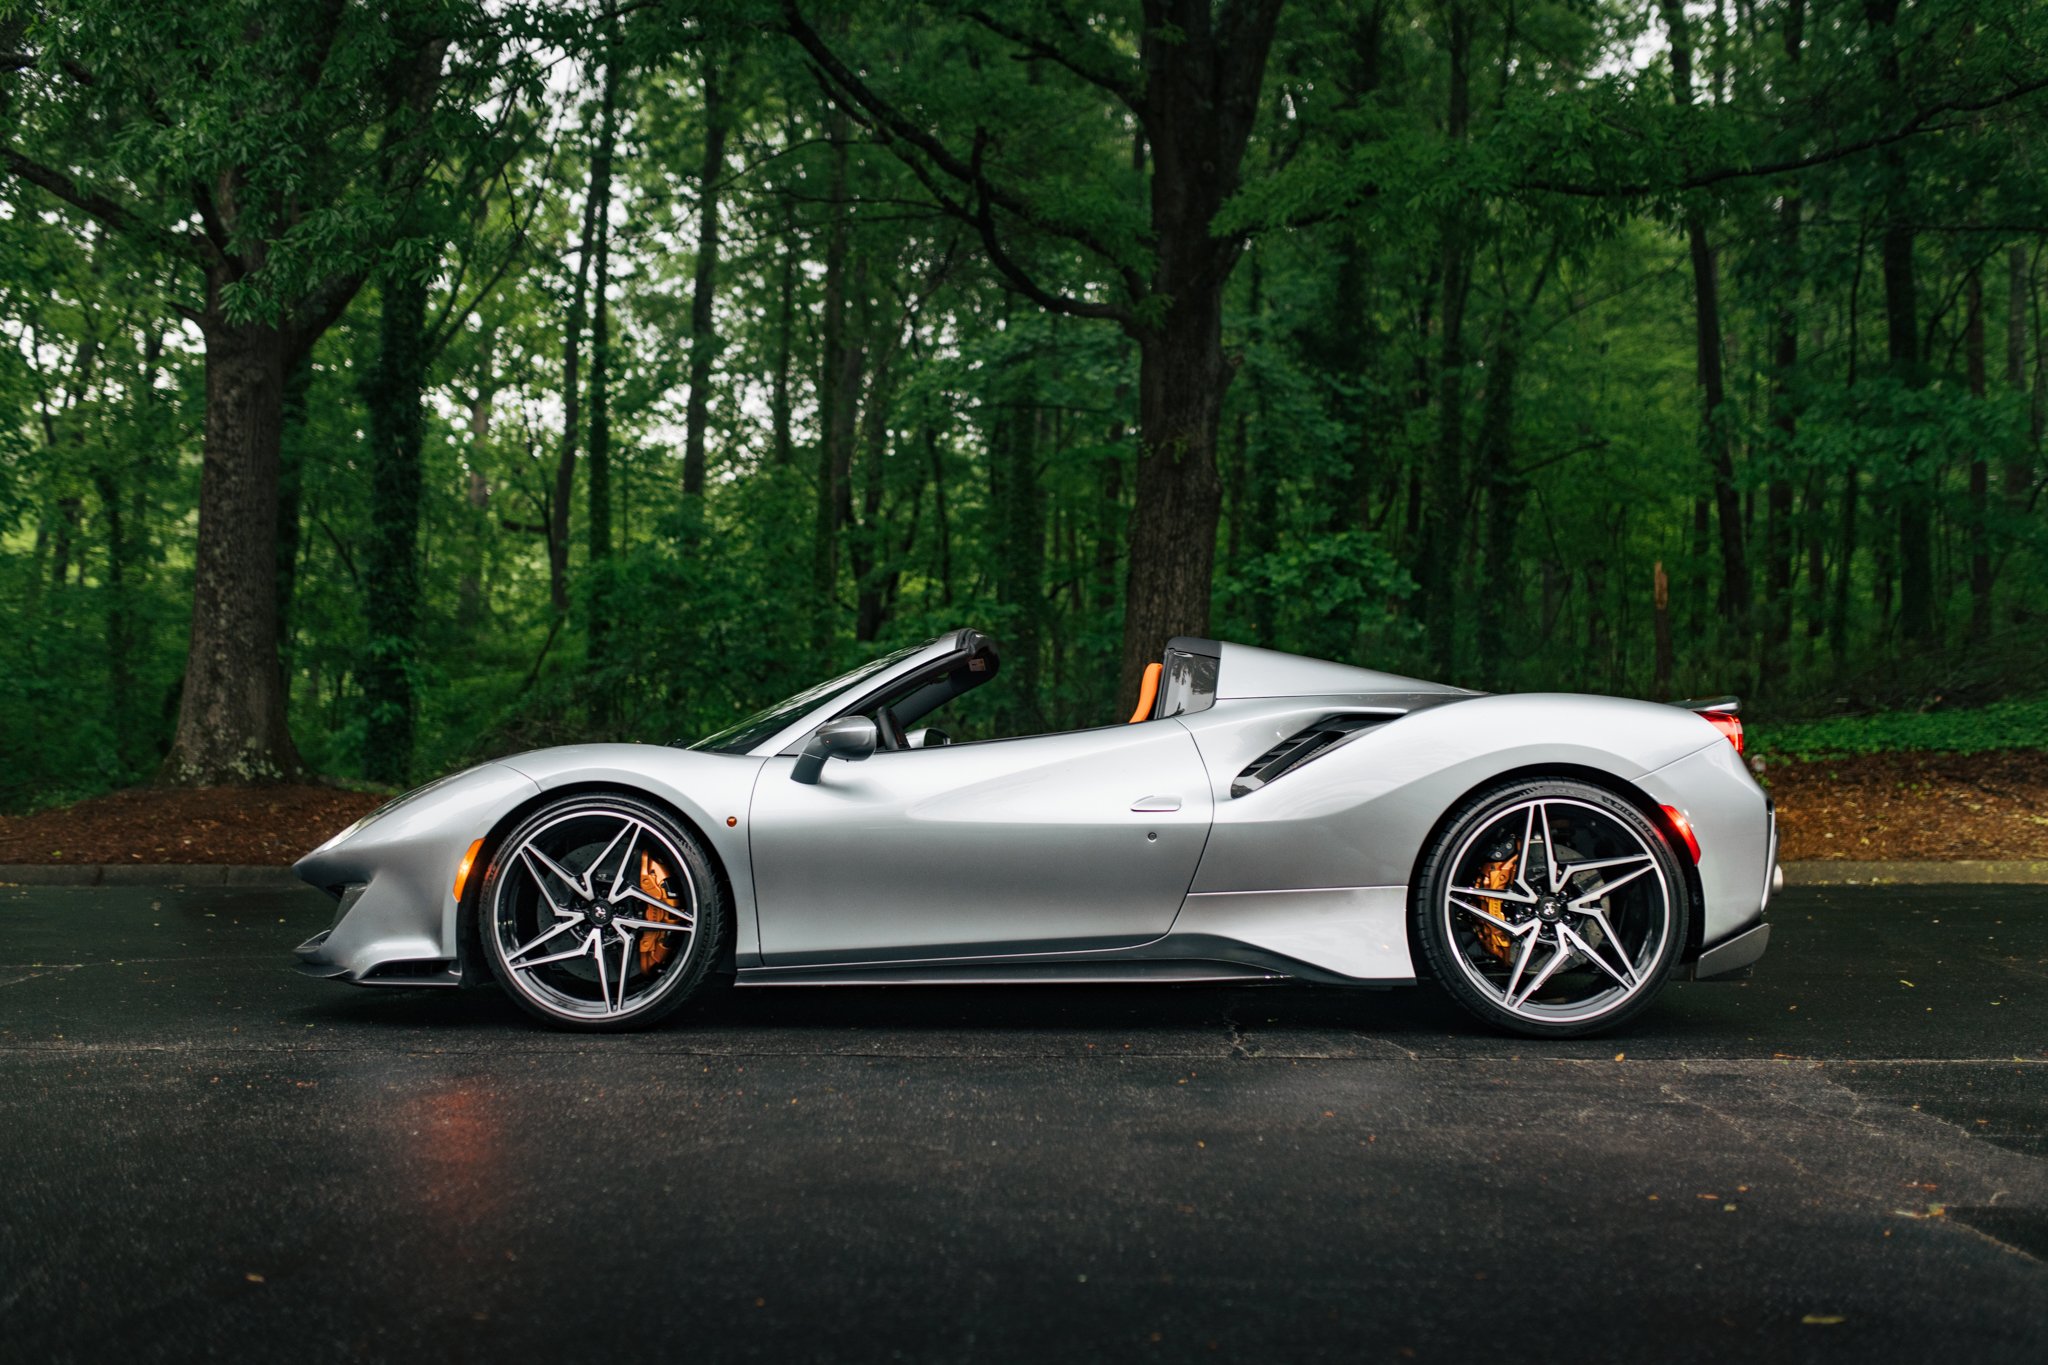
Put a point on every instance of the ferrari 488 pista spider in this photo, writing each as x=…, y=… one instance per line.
x=1550, y=860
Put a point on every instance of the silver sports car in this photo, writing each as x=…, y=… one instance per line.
x=1550, y=860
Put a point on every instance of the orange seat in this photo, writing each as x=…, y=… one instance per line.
x=1148, y=692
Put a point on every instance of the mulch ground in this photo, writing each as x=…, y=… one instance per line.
x=1913, y=807
x=1905, y=807
x=243, y=825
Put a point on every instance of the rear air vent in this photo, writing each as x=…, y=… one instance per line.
x=1300, y=747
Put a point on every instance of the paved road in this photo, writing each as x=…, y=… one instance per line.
x=205, y=1155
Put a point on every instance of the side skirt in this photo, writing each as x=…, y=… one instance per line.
x=1008, y=973
x=1174, y=958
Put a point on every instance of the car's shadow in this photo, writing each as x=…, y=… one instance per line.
x=1280, y=1019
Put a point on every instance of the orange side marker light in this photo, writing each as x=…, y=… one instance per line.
x=1684, y=828
x=462, y=871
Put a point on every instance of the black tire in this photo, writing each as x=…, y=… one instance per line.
x=527, y=913
x=1489, y=940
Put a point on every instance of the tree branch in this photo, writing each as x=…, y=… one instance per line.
x=443, y=328
x=31, y=61
x=114, y=214
x=1102, y=80
x=891, y=122
x=1921, y=122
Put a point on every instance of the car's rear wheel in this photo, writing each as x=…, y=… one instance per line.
x=600, y=912
x=1551, y=908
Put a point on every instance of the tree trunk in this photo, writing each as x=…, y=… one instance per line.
x=869, y=544
x=834, y=428
x=291, y=462
x=1660, y=607
x=784, y=451
x=572, y=408
x=1182, y=374
x=1913, y=496
x=1019, y=506
x=470, y=604
x=120, y=628
x=1778, y=537
x=1980, y=469
x=1443, y=529
x=1500, y=496
x=1815, y=503
x=598, y=251
x=1109, y=507
x=1203, y=68
x=599, y=248
x=1264, y=512
x=2019, y=465
x=1733, y=598
x=231, y=714
x=1777, y=641
x=703, y=334
x=393, y=392
x=1845, y=564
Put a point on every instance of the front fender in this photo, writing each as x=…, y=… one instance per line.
x=394, y=874
x=713, y=791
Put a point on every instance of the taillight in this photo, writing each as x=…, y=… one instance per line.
x=1684, y=827
x=1728, y=724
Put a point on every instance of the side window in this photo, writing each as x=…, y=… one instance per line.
x=939, y=701
x=1189, y=684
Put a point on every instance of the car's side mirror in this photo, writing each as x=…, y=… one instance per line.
x=927, y=738
x=850, y=737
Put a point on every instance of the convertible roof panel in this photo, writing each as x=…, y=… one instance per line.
x=1249, y=671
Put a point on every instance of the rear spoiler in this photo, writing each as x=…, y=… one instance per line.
x=1719, y=712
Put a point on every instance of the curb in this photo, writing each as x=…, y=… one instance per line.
x=1827, y=872
x=147, y=874
x=1817, y=872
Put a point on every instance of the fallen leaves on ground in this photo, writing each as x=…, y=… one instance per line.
x=241, y=825
x=1913, y=807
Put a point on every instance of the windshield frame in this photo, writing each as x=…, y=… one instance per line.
x=758, y=732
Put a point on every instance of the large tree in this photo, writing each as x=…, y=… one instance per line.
x=267, y=149
x=1187, y=74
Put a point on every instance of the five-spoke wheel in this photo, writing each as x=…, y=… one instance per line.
x=1551, y=908
x=600, y=912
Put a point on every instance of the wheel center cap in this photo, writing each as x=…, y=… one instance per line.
x=1550, y=909
x=600, y=916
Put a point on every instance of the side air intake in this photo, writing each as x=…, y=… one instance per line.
x=1300, y=747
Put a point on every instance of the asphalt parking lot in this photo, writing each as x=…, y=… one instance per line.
x=204, y=1155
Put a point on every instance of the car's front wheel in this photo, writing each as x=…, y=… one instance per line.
x=600, y=912
x=1551, y=908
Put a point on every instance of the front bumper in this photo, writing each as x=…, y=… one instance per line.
x=396, y=921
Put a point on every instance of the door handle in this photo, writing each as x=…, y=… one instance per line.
x=1156, y=803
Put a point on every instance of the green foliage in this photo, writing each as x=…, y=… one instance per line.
x=989, y=477
x=1971, y=730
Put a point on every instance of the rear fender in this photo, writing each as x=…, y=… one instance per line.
x=1359, y=814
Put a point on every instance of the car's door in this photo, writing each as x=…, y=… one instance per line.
x=1050, y=843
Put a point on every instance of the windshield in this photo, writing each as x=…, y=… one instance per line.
x=738, y=739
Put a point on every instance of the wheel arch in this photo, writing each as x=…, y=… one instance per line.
x=1596, y=777
x=470, y=944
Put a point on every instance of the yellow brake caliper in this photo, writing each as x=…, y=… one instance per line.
x=1495, y=876
x=654, y=945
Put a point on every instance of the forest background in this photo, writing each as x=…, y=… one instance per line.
x=395, y=385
